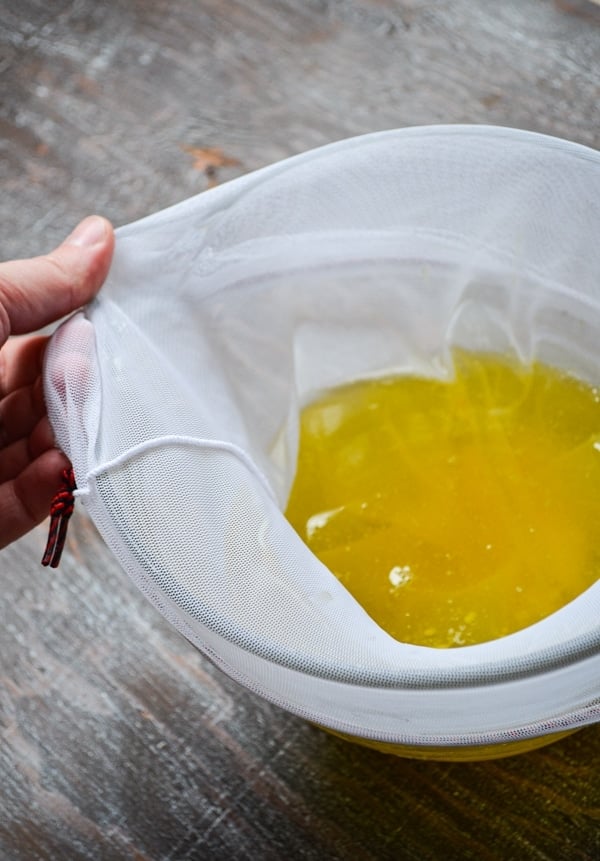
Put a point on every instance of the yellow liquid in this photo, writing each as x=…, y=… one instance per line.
x=455, y=511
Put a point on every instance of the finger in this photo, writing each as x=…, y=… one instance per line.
x=71, y=365
x=20, y=411
x=25, y=501
x=21, y=362
x=17, y=456
x=38, y=291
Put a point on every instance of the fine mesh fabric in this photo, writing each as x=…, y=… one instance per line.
x=176, y=395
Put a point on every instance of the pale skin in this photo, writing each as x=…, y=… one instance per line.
x=34, y=293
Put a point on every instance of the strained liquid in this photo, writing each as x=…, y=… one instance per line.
x=455, y=511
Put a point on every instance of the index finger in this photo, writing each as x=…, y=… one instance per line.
x=21, y=362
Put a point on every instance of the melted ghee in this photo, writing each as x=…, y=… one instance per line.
x=454, y=511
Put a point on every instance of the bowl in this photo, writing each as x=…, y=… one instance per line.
x=223, y=315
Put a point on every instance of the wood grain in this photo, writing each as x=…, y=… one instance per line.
x=119, y=741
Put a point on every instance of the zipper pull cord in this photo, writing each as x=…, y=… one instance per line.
x=61, y=510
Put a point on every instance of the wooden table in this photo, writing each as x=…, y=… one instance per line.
x=119, y=740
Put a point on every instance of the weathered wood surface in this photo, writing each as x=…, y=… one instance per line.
x=118, y=740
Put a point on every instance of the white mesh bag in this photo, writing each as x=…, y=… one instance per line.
x=176, y=396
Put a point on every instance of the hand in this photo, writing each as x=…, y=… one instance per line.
x=34, y=293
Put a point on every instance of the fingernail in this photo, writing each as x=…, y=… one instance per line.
x=90, y=231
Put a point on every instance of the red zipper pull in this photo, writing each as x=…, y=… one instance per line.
x=61, y=510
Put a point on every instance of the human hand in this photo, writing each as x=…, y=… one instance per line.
x=34, y=293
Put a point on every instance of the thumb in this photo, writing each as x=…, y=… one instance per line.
x=40, y=290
